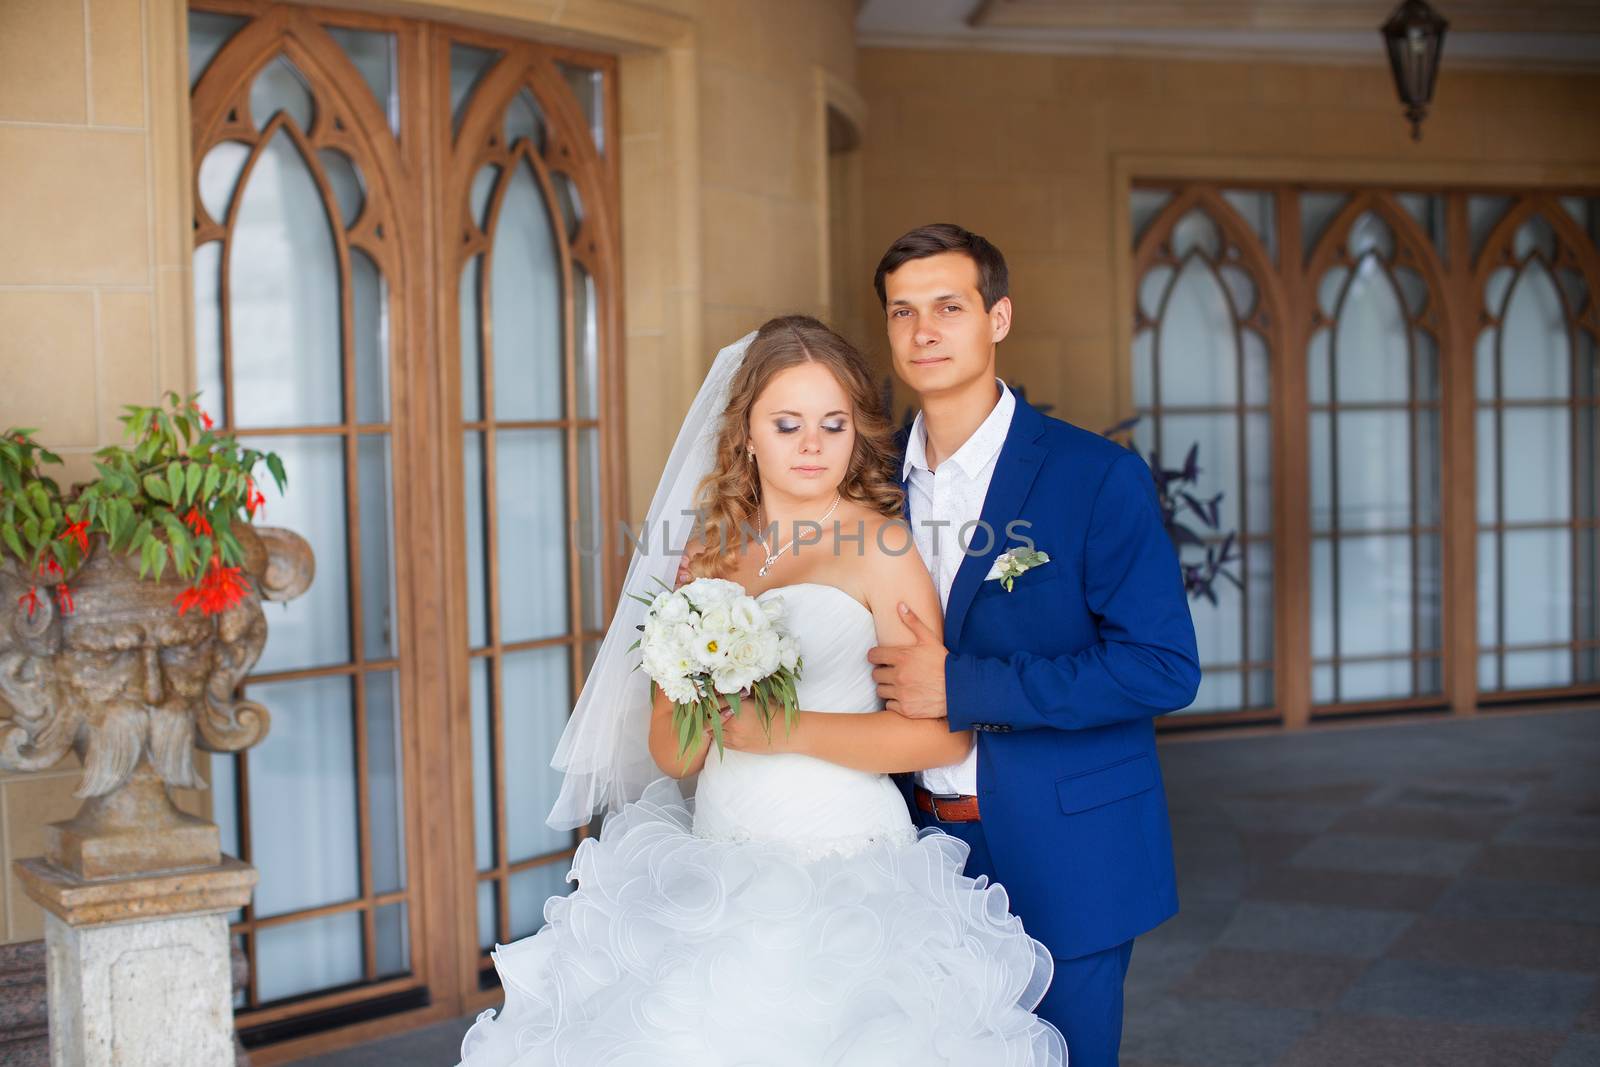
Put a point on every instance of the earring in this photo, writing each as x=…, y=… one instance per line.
x=750, y=454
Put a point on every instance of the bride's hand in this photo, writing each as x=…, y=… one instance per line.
x=744, y=733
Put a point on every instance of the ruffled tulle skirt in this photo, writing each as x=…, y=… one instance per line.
x=677, y=949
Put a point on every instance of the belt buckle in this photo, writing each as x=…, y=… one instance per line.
x=935, y=798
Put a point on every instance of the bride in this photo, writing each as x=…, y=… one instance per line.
x=789, y=913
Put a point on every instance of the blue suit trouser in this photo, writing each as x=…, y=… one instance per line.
x=1084, y=1000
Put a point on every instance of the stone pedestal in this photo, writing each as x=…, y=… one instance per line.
x=139, y=966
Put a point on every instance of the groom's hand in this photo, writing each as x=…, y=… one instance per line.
x=911, y=677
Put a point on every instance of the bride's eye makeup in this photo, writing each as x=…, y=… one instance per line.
x=791, y=425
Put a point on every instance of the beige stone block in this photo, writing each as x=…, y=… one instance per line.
x=918, y=72
x=646, y=208
x=127, y=358
x=1089, y=372
x=643, y=81
x=47, y=344
x=1062, y=294
x=893, y=207
x=1521, y=90
x=732, y=31
x=116, y=63
x=73, y=207
x=756, y=134
x=1259, y=130
x=171, y=155
x=174, y=311
x=1032, y=363
x=1531, y=136
x=31, y=803
x=1367, y=85
x=1081, y=207
x=42, y=60
x=799, y=236
x=1165, y=127
x=1046, y=136
x=950, y=136
x=1229, y=80
x=1386, y=134
x=738, y=247
x=1087, y=79
x=1015, y=215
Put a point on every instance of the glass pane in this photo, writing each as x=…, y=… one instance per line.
x=369, y=302
x=1258, y=593
x=586, y=322
x=1195, y=232
x=208, y=329
x=1316, y=212
x=1482, y=214
x=468, y=65
x=314, y=628
x=1258, y=462
x=1538, y=669
x=280, y=87
x=1145, y=205
x=1319, y=369
x=530, y=889
x=378, y=598
x=1219, y=691
x=525, y=119
x=1425, y=352
x=1488, y=590
x=284, y=280
x=219, y=177
x=1144, y=343
x=471, y=295
x=1485, y=368
x=393, y=940
x=488, y=912
x=304, y=957
x=1534, y=237
x=533, y=711
x=477, y=540
x=303, y=832
x=224, y=781
x=1488, y=447
x=385, y=783
x=1322, y=691
x=1425, y=430
x=1536, y=350
x=1196, y=345
x=1374, y=595
x=1429, y=213
x=1538, y=457
x=373, y=54
x=1219, y=628
x=531, y=529
x=345, y=179
x=483, y=776
x=1413, y=290
x=1538, y=586
x=1153, y=289
x=1489, y=672
x=591, y=547
x=588, y=86
x=1320, y=437
x=1258, y=208
x=1430, y=577
x=571, y=203
x=1241, y=290
x=1260, y=692
x=1374, y=469
x=1369, y=233
x=1257, y=368
x=1375, y=681
x=478, y=197
x=1371, y=346
x=1218, y=438
x=208, y=33
x=526, y=305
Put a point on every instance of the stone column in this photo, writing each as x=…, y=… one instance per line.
x=139, y=966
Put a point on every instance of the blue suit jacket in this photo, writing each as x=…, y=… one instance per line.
x=1062, y=678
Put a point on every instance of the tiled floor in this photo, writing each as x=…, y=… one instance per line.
x=1421, y=895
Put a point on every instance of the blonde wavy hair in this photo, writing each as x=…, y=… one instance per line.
x=728, y=497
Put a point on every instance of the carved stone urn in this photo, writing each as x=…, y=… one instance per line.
x=132, y=686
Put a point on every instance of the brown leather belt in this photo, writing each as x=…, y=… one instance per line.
x=948, y=809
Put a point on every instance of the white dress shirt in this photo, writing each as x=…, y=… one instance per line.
x=953, y=495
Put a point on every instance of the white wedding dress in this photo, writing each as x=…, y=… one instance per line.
x=790, y=915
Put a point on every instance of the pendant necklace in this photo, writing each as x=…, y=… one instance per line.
x=779, y=554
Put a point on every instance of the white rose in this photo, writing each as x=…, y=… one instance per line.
x=747, y=614
x=788, y=653
x=772, y=608
x=717, y=617
x=672, y=607
x=748, y=654
x=704, y=592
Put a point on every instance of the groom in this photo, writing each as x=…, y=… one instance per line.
x=1062, y=675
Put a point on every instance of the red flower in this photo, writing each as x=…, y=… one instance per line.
x=197, y=522
x=220, y=589
x=49, y=568
x=205, y=420
x=64, y=598
x=30, y=598
x=78, y=531
x=254, y=499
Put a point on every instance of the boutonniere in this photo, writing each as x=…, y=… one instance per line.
x=1009, y=566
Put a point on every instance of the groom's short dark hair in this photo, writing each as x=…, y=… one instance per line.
x=940, y=237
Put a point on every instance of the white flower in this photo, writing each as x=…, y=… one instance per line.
x=717, y=617
x=678, y=690
x=747, y=614
x=772, y=608
x=704, y=592
x=788, y=653
x=672, y=607
x=711, y=649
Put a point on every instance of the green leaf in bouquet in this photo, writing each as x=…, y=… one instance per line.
x=715, y=715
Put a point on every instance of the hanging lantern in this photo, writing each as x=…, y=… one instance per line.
x=1414, y=36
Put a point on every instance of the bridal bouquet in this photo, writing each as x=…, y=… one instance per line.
x=709, y=641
